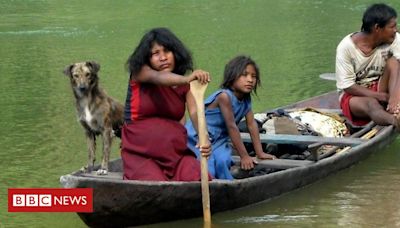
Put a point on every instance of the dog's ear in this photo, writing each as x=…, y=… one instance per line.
x=68, y=69
x=94, y=66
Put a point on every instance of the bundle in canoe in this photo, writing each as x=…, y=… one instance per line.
x=121, y=203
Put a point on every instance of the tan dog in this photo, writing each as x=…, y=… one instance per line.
x=97, y=112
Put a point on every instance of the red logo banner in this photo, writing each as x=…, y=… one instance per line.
x=50, y=200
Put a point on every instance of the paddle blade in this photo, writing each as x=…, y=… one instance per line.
x=328, y=76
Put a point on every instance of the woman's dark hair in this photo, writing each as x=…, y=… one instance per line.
x=379, y=14
x=162, y=36
x=235, y=68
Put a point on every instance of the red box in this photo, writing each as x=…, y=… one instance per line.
x=50, y=200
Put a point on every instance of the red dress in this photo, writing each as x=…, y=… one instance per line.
x=153, y=140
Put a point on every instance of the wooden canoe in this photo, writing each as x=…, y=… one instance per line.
x=121, y=203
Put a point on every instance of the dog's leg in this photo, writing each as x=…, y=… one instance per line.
x=107, y=141
x=91, y=144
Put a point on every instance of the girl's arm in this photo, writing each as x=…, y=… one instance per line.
x=224, y=103
x=255, y=136
x=183, y=120
x=147, y=74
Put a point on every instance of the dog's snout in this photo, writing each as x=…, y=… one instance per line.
x=82, y=88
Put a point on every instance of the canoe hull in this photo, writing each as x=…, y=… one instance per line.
x=120, y=203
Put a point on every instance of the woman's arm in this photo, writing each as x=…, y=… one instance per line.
x=255, y=136
x=147, y=74
x=224, y=103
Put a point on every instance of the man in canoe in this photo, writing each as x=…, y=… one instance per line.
x=368, y=69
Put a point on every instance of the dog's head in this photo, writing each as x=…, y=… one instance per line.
x=83, y=76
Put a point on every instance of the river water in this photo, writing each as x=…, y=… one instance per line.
x=293, y=41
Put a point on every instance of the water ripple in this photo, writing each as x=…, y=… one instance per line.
x=61, y=31
x=270, y=218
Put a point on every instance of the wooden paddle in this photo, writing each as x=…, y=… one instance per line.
x=367, y=135
x=328, y=76
x=198, y=89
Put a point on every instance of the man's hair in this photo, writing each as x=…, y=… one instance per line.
x=379, y=14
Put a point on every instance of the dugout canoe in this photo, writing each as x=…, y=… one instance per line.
x=122, y=203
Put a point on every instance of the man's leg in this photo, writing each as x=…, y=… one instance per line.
x=363, y=107
x=390, y=83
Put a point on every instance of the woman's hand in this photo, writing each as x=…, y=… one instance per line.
x=205, y=150
x=202, y=76
x=265, y=156
x=247, y=162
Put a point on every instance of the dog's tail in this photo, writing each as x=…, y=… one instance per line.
x=117, y=110
x=117, y=130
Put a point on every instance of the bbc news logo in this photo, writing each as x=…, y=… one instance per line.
x=50, y=200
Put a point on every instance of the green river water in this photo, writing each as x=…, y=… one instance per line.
x=293, y=41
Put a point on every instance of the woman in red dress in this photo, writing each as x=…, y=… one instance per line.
x=154, y=137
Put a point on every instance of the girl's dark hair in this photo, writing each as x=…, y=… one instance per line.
x=379, y=14
x=162, y=36
x=235, y=68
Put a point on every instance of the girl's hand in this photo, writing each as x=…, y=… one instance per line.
x=265, y=156
x=202, y=76
x=205, y=150
x=247, y=162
